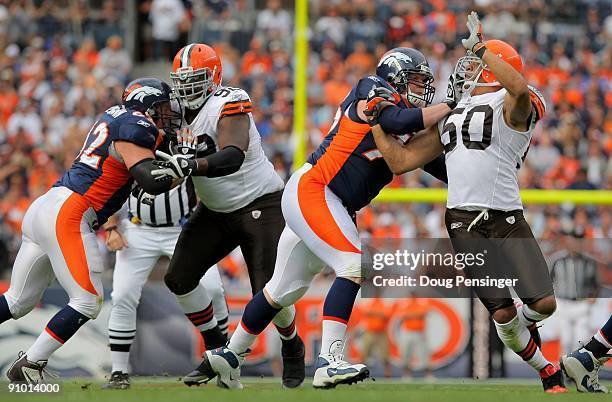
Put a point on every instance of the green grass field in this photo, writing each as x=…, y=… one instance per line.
x=268, y=390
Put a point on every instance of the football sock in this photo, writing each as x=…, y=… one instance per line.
x=336, y=314
x=223, y=324
x=120, y=361
x=198, y=308
x=528, y=316
x=120, y=343
x=258, y=313
x=60, y=328
x=601, y=343
x=517, y=338
x=285, y=323
x=5, y=312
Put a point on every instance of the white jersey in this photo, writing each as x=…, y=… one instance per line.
x=256, y=176
x=483, y=154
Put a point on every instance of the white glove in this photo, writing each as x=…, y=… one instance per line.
x=453, y=94
x=187, y=143
x=173, y=167
x=475, y=28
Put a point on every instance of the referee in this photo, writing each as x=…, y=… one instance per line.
x=576, y=283
x=146, y=229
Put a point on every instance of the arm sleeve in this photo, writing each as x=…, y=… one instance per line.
x=225, y=162
x=139, y=131
x=437, y=168
x=395, y=120
x=141, y=172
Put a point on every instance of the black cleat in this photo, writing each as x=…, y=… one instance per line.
x=294, y=370
x=118, y=380
x=23, y=371
x=201, y=375
x=214, y=338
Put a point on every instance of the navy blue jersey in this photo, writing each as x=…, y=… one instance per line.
x=347, y=161
x=96, y=174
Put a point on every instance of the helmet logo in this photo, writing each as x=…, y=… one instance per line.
x=142, y=92
x=393, y=57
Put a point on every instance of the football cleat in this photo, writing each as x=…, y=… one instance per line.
x=552, y=380
x=294, y=370
x=333, y=370
x=201, y=375
x=583, y=369
x=118, y=380
x=221, y=363
x=26, y=372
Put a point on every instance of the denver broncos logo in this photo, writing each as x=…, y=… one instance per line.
x=139, y=92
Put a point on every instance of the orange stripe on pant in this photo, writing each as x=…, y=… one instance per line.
x=68, y=232
x=311, y=188
x=311, y=197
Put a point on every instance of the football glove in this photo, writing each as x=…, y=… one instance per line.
x=378, y=99
x=452, y=92
x=141, y=195
x=173, y=166
x=475, y=28
x=187, y=143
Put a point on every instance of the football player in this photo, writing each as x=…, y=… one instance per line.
x=319, y=204
x=485, y=140
x=239, y=193
x=583, y=365
x=59, y=239
x=147, y=228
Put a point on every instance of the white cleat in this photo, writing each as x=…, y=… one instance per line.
x=226, y=365
x=333, y=370
x=583, y=368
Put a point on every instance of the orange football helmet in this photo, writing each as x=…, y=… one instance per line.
x=470, y=70
x=196, y=74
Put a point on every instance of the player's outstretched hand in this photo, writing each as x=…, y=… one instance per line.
x=115, y=241
x=187, y=143
x=173, y=166
x=452, y=92
x=143, y=196
x=475, y=28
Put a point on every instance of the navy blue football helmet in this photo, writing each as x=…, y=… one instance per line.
x=154, y=97
x=402, y=67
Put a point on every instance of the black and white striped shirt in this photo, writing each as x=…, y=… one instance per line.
x=167, y=209
x=574, y=276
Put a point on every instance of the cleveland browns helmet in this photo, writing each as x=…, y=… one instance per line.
x=471, y=72
x=402, y=67
x=196, y=74
x=154, y=97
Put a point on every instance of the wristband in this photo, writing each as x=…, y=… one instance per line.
x=481, y=50
x=452, y=104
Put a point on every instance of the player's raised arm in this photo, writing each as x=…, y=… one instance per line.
x=517, y=102
x=401, y=159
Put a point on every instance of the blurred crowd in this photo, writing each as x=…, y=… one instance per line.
x=63, y=62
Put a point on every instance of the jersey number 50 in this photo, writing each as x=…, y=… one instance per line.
x=96, y=137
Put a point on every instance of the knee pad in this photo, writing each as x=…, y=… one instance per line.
x=89, y=305
x=19, y=308
x=287, y=297
x=352, y=270
x=177, y=284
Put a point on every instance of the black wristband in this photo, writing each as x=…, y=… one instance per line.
x=480, y=52
x=452, y=104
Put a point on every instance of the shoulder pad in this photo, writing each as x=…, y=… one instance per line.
x=366, y=84
x=237, y=101
x=538, y=102
x=138, y=130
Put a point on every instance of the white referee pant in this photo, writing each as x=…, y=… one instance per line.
x=132, y=268
x=319, y=231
